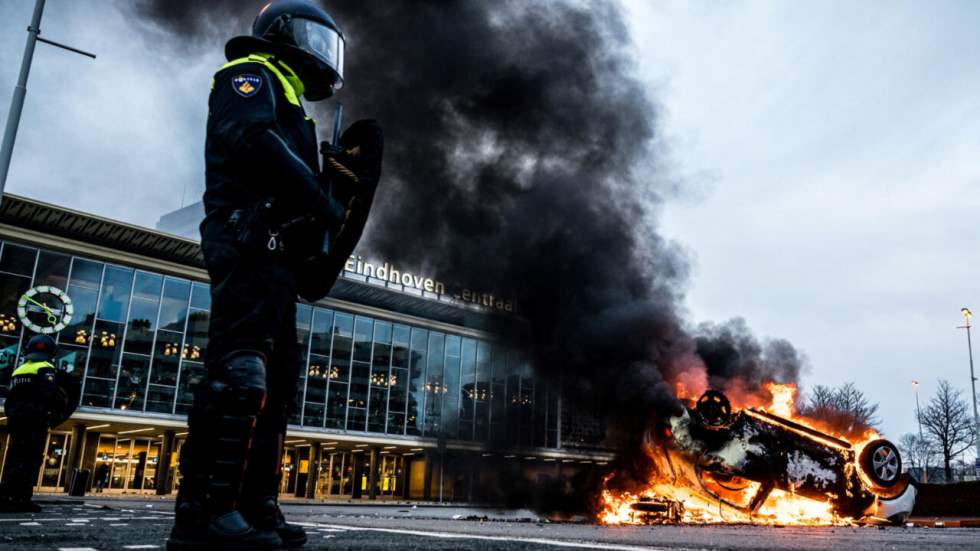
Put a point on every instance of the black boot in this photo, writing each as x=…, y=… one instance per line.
x=265, y=514
x=193, y=530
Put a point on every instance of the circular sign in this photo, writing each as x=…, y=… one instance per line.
x=45, y=309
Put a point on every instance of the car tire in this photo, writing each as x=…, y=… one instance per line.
x=881, y=463
x=715, y=410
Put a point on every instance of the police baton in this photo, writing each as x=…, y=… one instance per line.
x=338, y=119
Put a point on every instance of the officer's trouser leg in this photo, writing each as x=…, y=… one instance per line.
x=264, y=472
x=265, y=458
x=221, y=422
x=244, y=314
x=25, y=453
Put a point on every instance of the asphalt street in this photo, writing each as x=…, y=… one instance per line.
x=99, y=525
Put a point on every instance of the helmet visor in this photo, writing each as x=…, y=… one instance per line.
x=325, y=43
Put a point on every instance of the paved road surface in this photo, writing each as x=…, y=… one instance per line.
x=143, y=524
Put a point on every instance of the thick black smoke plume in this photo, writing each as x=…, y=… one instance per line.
x=521, y=160
x=731, y=352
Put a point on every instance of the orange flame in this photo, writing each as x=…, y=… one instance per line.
x=780, y=508
x=783, y=398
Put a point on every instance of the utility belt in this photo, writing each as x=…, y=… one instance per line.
x=261, y=228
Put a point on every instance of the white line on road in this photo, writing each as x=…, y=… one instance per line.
x=517, y=539
x=80, y=520
x=33, y=520
x=76, y=549
x=120, y=524
x=141, y=547
x=30, y=524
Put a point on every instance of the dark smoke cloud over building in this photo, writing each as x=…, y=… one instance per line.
x=521, y=160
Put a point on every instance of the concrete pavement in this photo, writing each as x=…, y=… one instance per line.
x=105, y=524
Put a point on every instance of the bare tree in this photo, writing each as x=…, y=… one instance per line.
x=918, y=451
x=948, y=422
x=845, y=408
x=821, y=397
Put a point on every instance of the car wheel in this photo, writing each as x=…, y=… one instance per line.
x=881, y=463
x=715, y=409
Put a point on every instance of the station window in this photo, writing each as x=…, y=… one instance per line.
x=140, y=339
x=15, y=259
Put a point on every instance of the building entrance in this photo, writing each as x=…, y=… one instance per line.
x=335, y=475
x=389, y=481
x=53, y=471
x=124, y=464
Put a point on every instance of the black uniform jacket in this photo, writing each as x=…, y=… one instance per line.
x=52, y=394
x=260, y=146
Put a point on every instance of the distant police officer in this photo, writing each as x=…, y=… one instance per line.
x=273, y=219
x=38, y=400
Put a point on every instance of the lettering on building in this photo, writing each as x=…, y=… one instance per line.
x=385, y=271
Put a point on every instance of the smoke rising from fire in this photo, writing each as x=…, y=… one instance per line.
x=522, y=159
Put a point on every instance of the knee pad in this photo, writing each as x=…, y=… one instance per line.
x=240, y=387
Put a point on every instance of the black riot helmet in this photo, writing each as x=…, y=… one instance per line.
x=41, y=348
x=305, y=37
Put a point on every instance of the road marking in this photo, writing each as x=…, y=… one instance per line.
x=30, y=524
x=80, y=520
x=141, y=547
x=516, y=539
x=32, y=520
x=76, y=549
x=120, y=524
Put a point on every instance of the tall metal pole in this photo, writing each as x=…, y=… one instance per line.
x=922, y=440
x=918, y=412
x=20, y=91
x=973, y=386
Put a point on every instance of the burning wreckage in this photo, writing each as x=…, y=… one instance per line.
x=762, y=465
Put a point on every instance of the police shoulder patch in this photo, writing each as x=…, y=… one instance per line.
x=246, y=84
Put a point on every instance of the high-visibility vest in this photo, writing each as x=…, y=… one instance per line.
x=27, y=373
x=291, y=91
x=30, y=368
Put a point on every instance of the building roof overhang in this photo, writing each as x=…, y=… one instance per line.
x=182, y=256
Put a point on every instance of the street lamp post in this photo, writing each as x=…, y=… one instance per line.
x=20, y=90
x=922, y=440
x=918, y=412
x=968, y=316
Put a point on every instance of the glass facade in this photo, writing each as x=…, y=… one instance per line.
x=137, y=341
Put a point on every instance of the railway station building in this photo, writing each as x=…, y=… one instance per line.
x=405, y=393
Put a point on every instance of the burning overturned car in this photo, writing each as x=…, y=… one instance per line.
x=717, y=464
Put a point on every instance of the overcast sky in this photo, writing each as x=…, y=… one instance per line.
x=832, y=155
x=827, y=154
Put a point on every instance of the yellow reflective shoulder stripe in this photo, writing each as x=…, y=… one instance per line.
x=291, y=95
x=30, y=368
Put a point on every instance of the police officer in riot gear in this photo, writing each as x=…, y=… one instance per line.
x=272, y=218
x=38, y=400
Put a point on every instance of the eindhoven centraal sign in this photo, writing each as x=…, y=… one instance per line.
x=388, y=272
